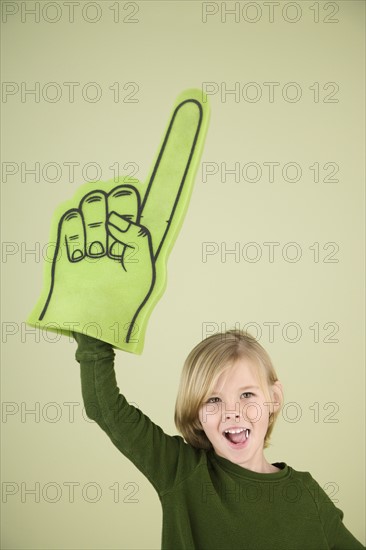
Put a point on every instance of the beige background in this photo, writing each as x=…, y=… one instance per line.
x=168, y=49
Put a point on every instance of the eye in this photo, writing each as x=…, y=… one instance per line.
x=248, y=394
x=213, y=400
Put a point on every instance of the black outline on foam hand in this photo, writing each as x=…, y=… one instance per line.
x=154, y=175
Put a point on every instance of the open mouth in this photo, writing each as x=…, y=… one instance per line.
x=236, y=435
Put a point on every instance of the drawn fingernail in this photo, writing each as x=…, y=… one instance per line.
x=116, y=250
x=77, y=255
x=96, y=248
x=118, y=222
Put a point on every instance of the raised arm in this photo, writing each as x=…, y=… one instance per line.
x=91, y=352
x=163, y=459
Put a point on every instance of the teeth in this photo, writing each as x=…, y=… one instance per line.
x=238, y=431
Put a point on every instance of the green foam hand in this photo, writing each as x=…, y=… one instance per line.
x=111, y=245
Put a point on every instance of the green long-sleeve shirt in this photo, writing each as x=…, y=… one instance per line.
x=208, y=502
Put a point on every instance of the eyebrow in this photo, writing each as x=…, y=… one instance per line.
x=240, y=389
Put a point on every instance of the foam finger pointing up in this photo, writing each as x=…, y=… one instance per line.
x=172, y=176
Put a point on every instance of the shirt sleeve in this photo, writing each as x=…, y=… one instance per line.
x=331, y=517
x=162, y=458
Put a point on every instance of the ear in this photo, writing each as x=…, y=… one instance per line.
x=277, y=394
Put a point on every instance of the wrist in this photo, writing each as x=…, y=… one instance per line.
x=90, y=344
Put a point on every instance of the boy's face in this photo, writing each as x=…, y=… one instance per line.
x=239, y=404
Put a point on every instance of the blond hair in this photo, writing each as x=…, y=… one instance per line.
x=205, y=363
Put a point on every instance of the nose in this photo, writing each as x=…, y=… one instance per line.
x=232, y=410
